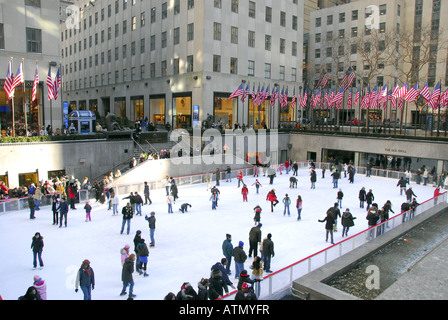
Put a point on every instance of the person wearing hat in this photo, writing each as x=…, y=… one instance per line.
x=85, y=278
x=227, y=249
x=126, y=276
x=127, y=216
x=40, y=286
x=240, y=257
x=347, y=221
x=246, y=293
x=124, y=253
x=217, y=285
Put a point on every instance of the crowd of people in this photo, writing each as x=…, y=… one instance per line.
x=217, y=282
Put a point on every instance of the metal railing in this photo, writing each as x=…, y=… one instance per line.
x=284, y=278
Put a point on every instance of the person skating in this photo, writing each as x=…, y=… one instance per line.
x=184, y=207
x=336, y=176
x=221, y=266
x=32, y=206
x=272, y=198
x=409, y=194
x=217, y=285
x=287, y=203
x=240, y=178
x=214, y=199
x=170, y=201
x=244, y=192
x=257, y=185
x=402, y=184
x=63, y=211
x=329, y=225
x=254, y=239
x=152, y=227
x=85, y=278
x=137, y=238
x=362, y=197
x=146, y=193
x=131, y=198
x=138, y=204
x=336, y=214
x=40, y=286
x=340, y=196
x=347, y=221
x=127, y=216
x=227, y=250
x=126, y=276
x=124, y=252
x=299, y=207
x=143, y=254
x=55, y=206
x=239, y=256
x=88, y=209
x=268, y=253
x=372, y=218
x=257, y=216
x=31, y=294
x=313, y=178
x=37, y=245
x=369, y=199
x=174, y=190
x=257, y=272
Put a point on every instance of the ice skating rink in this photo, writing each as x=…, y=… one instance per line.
x=187, y=245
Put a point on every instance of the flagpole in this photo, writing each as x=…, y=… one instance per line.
x=24, y=101
x=12, y=103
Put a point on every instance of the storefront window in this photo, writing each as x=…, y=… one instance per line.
x=183, y=111
x=157, y=110
x=120, y=107
x=137, y=111
x=225, y=110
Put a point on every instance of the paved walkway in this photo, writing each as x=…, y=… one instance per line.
x=427, y=279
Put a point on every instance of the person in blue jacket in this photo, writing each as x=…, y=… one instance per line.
x=85, y=278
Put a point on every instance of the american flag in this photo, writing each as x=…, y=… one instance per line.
x=374, y=98
x=304, y=99
x=284, y=98
x=365, y=100
x=412, y=93
x=18, y=79
x=327, y=98
x=294, y=99
x=8, y=82
x=338, y=97
x=382, y=97
x=395, y=92
x=274, y=96
x=50, y=85
x=425, y=92
x=35, y=84
x=254, y=95
x=358, y=93
x=238, y=92
x=435, y=97
x=57, y=84
x=392, y=98
x=266, y=94
x=348, y=78
x=323, y=81
x=245, y=94
x=444, y=99
x=258, y=96
x=402, y=92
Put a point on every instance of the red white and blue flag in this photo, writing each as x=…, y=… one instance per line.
x=18, y=79
x=35, y=84
x=57, y=84
x=412, y=93
x=435, y=97
x=8, y=82
x=50, y=85
x=238, y=92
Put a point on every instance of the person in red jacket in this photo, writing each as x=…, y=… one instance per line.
x=271, y=197
x=72, y=195
x=436, y=194
x=287, y=166
x=240, y=178
x=244, y=192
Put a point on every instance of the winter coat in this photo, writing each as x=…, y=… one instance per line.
x=347, y=219
x=402, y=183
x=227, y=248
x=286, y=201
x=41, y=288
x=372, y=216
x=245, y=296
x=271, y=196
x=63, y=207
x=29, y=295
x=151, y=221
x=37, y=244
x=313, y=176
x=329, y=222
x=268, y=248
x=124, y=255
x=85, y=278
x=31, y=203
x=128, y=269
x=143, y=252
x=217, y=287
x=239, y=255
x=340, y=195
x=410, y=193
x=244, y=190
x=219, y=266
x=255, y=234
x=370, y=197
x=202, y=292
x=127, y=213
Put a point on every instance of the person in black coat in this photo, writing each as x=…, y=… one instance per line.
x=127, y=216
x=32, y=205
x=37, y=245
x=246, y=293
x=362, y=197
x=369, y=198
x=31, y=294
x=313, y=178
x=347, y=221
x=217, y=285
x=174, y=190
x=126, y=276
x=402, y=184
x=63, y=210
x=329, y=225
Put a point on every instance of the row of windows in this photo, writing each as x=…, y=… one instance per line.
x=353, y=34
x=106, y=79
x=251, y=14
x=355, y=15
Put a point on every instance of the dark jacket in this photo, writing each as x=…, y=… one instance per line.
x=37, y=244
x=151, y=221
x=31, y=202
x=347, y=219
x=255, y=234
x=330, y=221
x=362, y=195
x=227, y=248
x=127, y=213
x=268, y=247
x=219, y=266
x=217, y=286
x=63, y=207
x=239, y=255
x=128, y=269
x=250, y=295
x=370, y=197
x=372, y=217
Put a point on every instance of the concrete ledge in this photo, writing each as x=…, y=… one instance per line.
x=314, y=283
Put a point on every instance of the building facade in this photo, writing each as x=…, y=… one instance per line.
x=385, y=43
x=178, y=61
x=29, y=31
